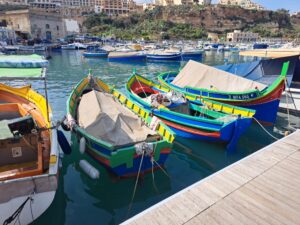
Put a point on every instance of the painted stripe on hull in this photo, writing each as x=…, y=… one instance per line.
x=123, y=171
x=192, y=131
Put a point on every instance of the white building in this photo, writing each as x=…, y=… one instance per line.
x=247, y=4
x=14, y=2
x=181, y=2
x=238, y=36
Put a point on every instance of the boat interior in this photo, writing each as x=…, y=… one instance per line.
x=188, y=108
x=24, y=147
x=120, y=126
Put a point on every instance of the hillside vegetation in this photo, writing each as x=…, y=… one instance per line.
x=192, y=22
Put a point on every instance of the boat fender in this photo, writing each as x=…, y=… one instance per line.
x=91, y=171
x=63, y=143
x=82, y=144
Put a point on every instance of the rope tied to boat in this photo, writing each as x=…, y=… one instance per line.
x=144, y=148
x=19, y=210
x=272, y=136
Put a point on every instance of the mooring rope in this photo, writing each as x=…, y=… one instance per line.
x=265, y=129
x=136, y=182
x=165, y=172
x=152, y=169
x=17, y=213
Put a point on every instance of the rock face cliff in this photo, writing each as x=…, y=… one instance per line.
x=224, y=18
x=192, y=22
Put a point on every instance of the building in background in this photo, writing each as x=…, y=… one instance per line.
x=239, y=36
x=246, y=4
x=40, y=24
x=15, y=2
x=7, y=36
x=181, y=2
x=116, y=7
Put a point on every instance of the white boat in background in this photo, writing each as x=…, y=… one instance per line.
x=79, y=45
x=68, y=47
x=221, y=48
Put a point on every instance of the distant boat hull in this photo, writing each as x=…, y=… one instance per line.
x=126, y=57
x=192, y=55
x=164, y=57
x=95, y=54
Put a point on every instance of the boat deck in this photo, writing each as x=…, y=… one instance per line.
x=263, y=188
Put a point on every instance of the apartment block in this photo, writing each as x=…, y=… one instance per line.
x=239, y=36
x=247, y=4
x=15, y=2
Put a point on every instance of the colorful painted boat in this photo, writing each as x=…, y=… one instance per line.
x=200, y=80
x=201, y=120
x=265, y=70
x=29, y=155
x=126, y=157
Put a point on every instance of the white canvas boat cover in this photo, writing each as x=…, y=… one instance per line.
x=198, y=75
x=22, y=61
x=104, y=118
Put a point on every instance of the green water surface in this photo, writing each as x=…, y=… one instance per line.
x=83, y=201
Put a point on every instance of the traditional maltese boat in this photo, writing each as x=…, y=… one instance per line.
x=118, y=133
x=201, y=120
x=29, y=152
x=204, y=81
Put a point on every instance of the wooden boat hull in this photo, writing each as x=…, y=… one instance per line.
x=129, y=167
x=19, y=180
x=123, y=161
x=188, y=126
x=266, y=106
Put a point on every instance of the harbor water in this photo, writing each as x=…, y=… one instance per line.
x=109, y=200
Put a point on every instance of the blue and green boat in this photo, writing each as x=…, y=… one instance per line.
x=188, y=116
x=121, y=135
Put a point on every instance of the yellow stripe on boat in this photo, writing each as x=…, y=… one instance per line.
x=103, y=85
x=82, y=85
x=32, y=96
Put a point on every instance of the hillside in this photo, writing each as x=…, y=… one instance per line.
x=192, y=22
